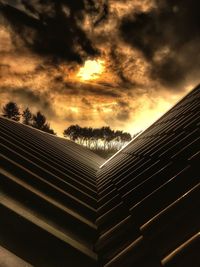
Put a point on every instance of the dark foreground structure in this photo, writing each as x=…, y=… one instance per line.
x=58, y=208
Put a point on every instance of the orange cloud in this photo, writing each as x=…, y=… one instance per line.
x=113, y=87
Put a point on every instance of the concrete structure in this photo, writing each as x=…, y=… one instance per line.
x=59, y=208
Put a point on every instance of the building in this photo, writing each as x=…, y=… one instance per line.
x=61, y=206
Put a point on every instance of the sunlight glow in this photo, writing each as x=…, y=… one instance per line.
x=74, y=109
x=91, y=70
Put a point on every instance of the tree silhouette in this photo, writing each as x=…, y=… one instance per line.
x=46, y=128
x=106, y=136
x=125, y=137
x=11, y=111
x=97, y=138
x=39, y=122
x=73, y=132
x=27, y=116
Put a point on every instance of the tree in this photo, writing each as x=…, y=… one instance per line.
x=96, y=136
x=11, y=111
x=27, y=116
x=107, y=135
x=46, y=128
x=39, y=122
x=125, y=137
x=103, y=138
x=72, y=132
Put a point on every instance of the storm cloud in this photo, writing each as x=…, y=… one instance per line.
x=149, y=49
x=36, y=100
x=169, y=38
x=53, y=28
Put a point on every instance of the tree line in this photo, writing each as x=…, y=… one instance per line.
x=103, y=138
x=38, y=120
x=97, y=138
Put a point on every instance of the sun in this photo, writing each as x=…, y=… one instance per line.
x=91, y=70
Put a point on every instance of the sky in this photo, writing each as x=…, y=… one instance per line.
x=117, y=63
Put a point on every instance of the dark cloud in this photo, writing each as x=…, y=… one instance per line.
x=104, y=13
x=117, y=67
x=4, y=67
x=146, y=46
x=59, y=79
x=54, y=27
x=123, y=115
x=104, y=92
x=169, y=37
x=86, y=102
x=70, y=118
x=122, y=104
x=89, y=89
x=27, y=97
x=123, y=110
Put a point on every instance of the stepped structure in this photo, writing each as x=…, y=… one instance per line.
x=61, y=205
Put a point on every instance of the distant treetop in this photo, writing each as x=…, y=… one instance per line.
x=97, y=138
x=11, y=111
x=38, y=120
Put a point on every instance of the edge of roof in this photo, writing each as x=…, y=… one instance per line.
x=113, y=156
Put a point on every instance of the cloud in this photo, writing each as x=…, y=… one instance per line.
x=56, y=32
x=89, y=89
x=86, y=102
x=54, y=28
x=124, y=110
x=34, y=99
x=168, y=36
x=150, y=48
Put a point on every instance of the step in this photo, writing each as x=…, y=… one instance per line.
x=116, y=239
x=135, y=254
x=47, y=188
x=48, y=207
x=22, y=158
x=175, y=224
x=45, y=162
x=185, y=255
x=163, y=196
x=111, y=217
x=38, y=243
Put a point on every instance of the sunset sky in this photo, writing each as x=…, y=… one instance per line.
x=121, y=63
